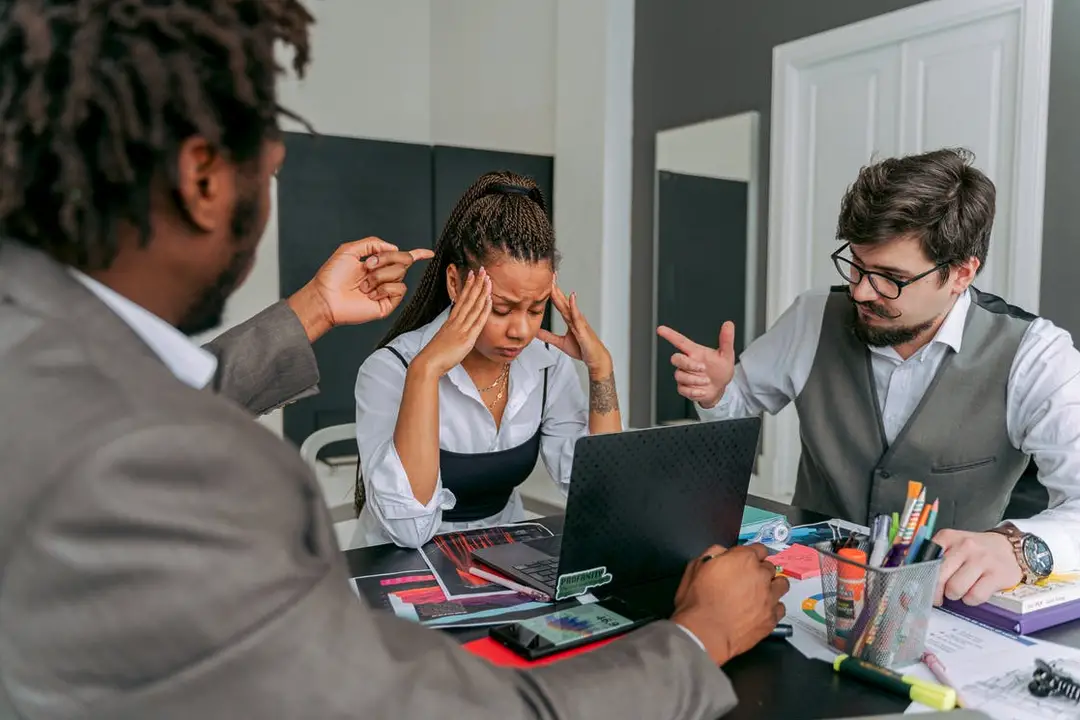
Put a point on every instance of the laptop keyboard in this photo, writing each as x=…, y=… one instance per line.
x=543, y=571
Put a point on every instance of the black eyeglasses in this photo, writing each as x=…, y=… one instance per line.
x=885, y=286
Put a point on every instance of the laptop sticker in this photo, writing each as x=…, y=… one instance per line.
x=578, y=583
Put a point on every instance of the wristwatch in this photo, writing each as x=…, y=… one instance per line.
x=1032, y=553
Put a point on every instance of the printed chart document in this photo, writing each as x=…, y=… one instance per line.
x=449, y=556
x=444, y=593
x=990, y=668
x=416, y=595
x=994, y=677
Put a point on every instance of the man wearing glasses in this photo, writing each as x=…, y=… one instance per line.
x=908, y=372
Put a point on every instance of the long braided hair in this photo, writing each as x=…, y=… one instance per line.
x=97, y=96
x=500, y=212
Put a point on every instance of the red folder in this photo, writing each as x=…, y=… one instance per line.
x=498, y=654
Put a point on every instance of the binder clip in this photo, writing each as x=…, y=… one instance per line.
x=1045, y=681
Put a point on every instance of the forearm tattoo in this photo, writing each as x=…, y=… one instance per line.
x=602, y=396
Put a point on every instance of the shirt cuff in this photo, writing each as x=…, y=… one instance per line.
x=394, y=496
x=1062, y=543
x=693, y=637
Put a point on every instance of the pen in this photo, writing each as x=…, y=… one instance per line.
x=781, y=631
x=938, y=669
x=881, y=543
x=930, y=694
x=920, y=533
x=511, y=585
x=932, y=520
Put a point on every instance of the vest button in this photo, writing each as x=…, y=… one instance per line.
x=884, y=474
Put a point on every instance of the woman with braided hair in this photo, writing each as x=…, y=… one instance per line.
x=467, y=391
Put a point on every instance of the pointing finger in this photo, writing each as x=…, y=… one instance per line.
x=680, y=341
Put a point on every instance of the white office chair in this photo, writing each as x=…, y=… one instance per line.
x=336, y=494
x=316, y=441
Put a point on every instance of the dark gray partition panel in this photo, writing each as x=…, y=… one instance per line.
x=701, y=226
x=332, y=190
x=456, y=168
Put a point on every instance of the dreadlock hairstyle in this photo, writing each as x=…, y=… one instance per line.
x=501, y=212
x=96, y=97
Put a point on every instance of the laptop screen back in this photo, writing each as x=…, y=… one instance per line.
x=643, y=503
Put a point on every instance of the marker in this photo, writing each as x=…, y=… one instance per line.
x=781, y=631
x=938, y=697
x=509, y=584
x=929, y=552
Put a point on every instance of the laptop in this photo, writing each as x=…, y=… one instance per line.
x=641, y=505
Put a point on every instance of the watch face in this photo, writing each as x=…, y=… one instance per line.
x=1037, y=555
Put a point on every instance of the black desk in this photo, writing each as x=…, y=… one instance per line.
x=773, y=680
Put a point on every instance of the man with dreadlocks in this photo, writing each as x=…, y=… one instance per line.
x=162, y=555
x=467, y=390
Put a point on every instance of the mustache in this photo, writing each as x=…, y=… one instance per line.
x=875, y=309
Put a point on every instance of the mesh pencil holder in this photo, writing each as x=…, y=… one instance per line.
x=877, y=614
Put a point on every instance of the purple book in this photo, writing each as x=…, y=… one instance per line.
x=1014, y=622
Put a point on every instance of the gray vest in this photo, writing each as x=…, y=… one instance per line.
x=955, y=442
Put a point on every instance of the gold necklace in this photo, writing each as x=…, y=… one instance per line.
x=505, y=370
x=504, y=378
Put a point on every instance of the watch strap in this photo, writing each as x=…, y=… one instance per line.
x=1016, y=539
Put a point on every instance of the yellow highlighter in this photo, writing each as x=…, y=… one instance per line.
x=938, y=697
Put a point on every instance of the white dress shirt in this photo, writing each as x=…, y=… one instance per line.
x=1042, y=401
x=191, y=364
x=391, y=512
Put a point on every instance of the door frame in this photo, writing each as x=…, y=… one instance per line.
x=788, y=265
x=753, y=193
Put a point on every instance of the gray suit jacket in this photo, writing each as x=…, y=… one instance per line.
x=163, y=556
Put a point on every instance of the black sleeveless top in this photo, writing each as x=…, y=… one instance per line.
x=483, y=482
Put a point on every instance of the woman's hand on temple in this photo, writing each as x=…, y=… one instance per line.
x=456, y=338
x=580, y=341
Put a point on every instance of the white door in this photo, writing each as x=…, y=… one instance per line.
x=970, y=73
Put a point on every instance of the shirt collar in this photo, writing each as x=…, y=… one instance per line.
x=190, y=364
x=951, y=332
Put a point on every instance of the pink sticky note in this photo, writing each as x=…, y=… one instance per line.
x=798, y=561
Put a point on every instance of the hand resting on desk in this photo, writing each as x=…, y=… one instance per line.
x=976, y=565
x=730, y=599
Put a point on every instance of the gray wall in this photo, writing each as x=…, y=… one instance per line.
x=1059, y=300
x=700, y=59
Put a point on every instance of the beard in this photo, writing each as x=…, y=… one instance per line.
x=209, y=309
x=888, y=336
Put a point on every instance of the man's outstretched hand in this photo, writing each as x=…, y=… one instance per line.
x=702, y=373
x=362, y=281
